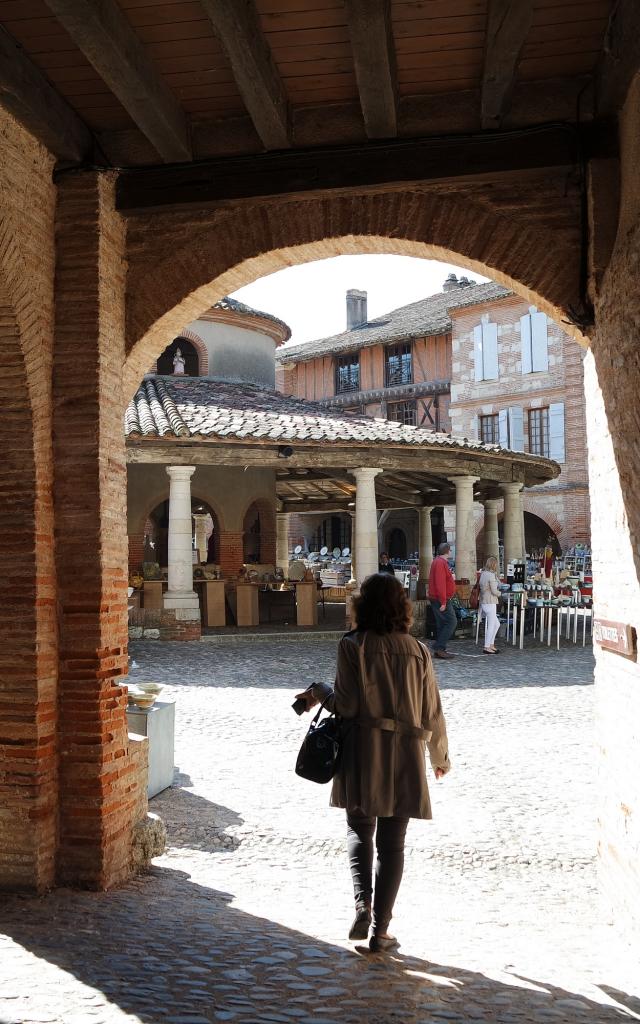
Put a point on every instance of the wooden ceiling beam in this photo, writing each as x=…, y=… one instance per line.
x=508, y=24
x=237, y=25
x=375, y=64
x=29, y=97
x=367, y=167
x=106, y=38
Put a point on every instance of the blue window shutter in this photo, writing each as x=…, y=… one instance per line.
x=539, y=354
x=556, y=431
x=503, y=428
x=490, y=351
x=516, y=429
x=477, y=351
x=525, y=332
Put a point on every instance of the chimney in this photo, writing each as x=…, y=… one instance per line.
x=450, y=283
x=356, y=308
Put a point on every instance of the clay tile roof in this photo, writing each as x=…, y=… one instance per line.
x=234, y=306
x=199, y=408
x=427, y=316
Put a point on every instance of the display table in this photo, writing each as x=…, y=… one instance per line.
x=158, y=725
x=307, y=604
x=247, y=608
x=212, y=606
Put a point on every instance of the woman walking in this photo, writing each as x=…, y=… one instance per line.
x=489, y=597
x=386, y=690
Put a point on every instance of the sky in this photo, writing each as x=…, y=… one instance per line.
x=310, y=298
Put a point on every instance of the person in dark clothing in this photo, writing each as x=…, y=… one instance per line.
x=442, y=587
x=386, y=691
x=385, y=565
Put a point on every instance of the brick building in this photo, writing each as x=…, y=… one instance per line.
x=473, y=360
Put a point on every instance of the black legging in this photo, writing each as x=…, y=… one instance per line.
x=389, y=863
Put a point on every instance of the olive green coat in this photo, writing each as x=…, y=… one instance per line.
x=382, y=771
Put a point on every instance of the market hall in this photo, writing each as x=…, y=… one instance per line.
x=237, y=452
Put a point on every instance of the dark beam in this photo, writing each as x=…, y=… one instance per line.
x=237, y=25
x=101, y=30
x=374, y=57
x=35, y=104
x=620, y=60
x=371, y=166
x=508, y=24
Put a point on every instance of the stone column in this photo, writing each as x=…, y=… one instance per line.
x=425, y=545
x=282, y=541
x=353, y=547
x=466, y=559
x=200, y=520
x=512, y=522
x=180, y=594
x=524, y=540
x=491, y=542
x=366, y=546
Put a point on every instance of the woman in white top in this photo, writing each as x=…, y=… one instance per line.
x=489, y=597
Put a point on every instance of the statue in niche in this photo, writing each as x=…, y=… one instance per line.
x=178, y=363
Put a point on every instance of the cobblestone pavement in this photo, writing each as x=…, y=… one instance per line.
x=244, y=918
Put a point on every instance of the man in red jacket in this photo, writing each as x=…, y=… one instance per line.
x=442, y=587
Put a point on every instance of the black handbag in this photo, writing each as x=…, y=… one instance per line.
x=319, y=756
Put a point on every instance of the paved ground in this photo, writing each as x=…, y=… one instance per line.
x=244, y=919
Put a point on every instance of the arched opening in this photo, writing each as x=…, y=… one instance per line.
x=333, y=532
x=205, y=535
x=179, y=357
x=538, y=534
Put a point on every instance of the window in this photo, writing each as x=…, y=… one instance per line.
x=485, y=350
x=348, y=373
x=169, y=361
x=533, y=331
x=402, y=412
x=489, y=430
x=397, y=365
x=538, y=429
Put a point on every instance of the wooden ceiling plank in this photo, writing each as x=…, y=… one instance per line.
x=101, y=30
x=238, y=28
x=508, y=24
x=374, y=57
x=32, y=100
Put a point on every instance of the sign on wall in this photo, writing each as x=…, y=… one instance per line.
x=615, y=636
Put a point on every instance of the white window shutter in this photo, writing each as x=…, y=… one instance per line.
x=556, y=431
x=539, y=344
x=525, y=332
x=490, y=351
x=477, y=351
x=503, y=428
x=516, y=429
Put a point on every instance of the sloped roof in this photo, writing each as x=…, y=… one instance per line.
x=427, y=316
x=194, y=407
x=235, y=306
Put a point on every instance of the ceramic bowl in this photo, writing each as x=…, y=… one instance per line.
x=144, y=700
x=150, y=687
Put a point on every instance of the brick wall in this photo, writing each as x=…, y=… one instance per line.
x=231, y=553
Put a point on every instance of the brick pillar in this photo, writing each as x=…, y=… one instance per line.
x=231, y=554
x=99, y=778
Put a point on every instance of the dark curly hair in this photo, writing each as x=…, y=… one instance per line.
x=382, y=605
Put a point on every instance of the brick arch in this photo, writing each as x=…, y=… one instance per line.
x=200, y=347
x=267, y=516
x=531, y=505
x=175, y=273
x=135, y=525
x=28, y=647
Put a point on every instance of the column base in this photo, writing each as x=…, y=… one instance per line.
x=182, y=600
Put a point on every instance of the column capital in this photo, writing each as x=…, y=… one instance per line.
x=464, y=479
x=364, y=473
x=491, y=503
x=512, y=487
x=426, y=508
x=180, y=472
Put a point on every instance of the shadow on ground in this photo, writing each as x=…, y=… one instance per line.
x=168, y=950
x=179, y=809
